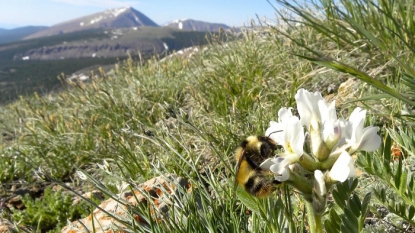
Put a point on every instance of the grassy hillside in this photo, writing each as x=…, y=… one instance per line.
x=186, y=115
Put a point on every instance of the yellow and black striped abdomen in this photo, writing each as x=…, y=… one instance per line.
x=250, y=154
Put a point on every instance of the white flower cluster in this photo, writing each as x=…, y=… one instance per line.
x=332, y=141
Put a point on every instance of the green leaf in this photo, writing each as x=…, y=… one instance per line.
x=403, y=181
x=387, y=150
x=411, y=212
x=355, y=205
x=397, y=176
x=349, y=221
x=365, y=204
x=365, y=162
x=333, y=223
x=371, y=97
x=364, y=210
x=330, y=228
x=377, y=166
x=338, y=199
x=366, y=33
x=409, y=81
x=410, y=188
x=353, y=184
x=382, y=195
x=248, y=200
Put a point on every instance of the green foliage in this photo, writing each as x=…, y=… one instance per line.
x=405, y=138
x=378, y=30
x=49, y=212
x=186, y=115
x=272, y=209
x=351, y=211
x=396, y=189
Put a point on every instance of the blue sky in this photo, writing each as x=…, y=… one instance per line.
x=17, y=13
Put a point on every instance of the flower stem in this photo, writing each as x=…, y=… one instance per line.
x=314, y=219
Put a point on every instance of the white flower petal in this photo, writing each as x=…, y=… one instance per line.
x=285, y=175
x=307, y=106
x=356, y=123
x=343, y=168
x=360, y=138
x=281, y=171
x=279, y=166
x=327, y=111
x=346, y=129
x=284, y=114
x=370, y=140
x=357, y=115
x=295, y=136
x=266, y=165
x=287, y=132
x=331, y=131
x=276, y=132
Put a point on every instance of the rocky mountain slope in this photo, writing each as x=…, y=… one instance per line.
x=114, y=43
x=195, y=25
x=126, y=17
x=96, y=40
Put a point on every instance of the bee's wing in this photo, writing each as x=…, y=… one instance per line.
x=238, y=165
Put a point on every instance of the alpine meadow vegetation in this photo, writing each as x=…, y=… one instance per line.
x=186, y=115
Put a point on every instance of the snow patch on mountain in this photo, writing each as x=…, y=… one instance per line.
x=116, y=12
x=195, y=25
x=111, y=13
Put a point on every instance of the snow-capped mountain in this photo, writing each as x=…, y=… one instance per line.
x=126, y=17
x=195, y=25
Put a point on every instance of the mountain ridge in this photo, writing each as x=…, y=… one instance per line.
x=125, y=17
x=8, y=35
x=196, y=25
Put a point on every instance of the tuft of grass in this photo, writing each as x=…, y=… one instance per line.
x=365, y=39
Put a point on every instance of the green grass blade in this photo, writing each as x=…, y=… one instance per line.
x=335, y=65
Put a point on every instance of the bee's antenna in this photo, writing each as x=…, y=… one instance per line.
x=274, y=132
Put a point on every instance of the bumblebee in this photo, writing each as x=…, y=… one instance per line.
x=249, y=155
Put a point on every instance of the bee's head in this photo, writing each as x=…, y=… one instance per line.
x=258, y=148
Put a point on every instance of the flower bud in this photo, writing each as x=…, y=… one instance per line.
x=318, y=147
x=319, y=195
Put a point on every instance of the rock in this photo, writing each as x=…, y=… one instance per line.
x=331, y=89
x=5, y=226
x=21, y=191
x=346, y=91
x=95, y=194
x=8, y=226
x=161, y=191
x=16, y=203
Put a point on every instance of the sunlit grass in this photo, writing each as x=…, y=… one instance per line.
x=187, y=116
